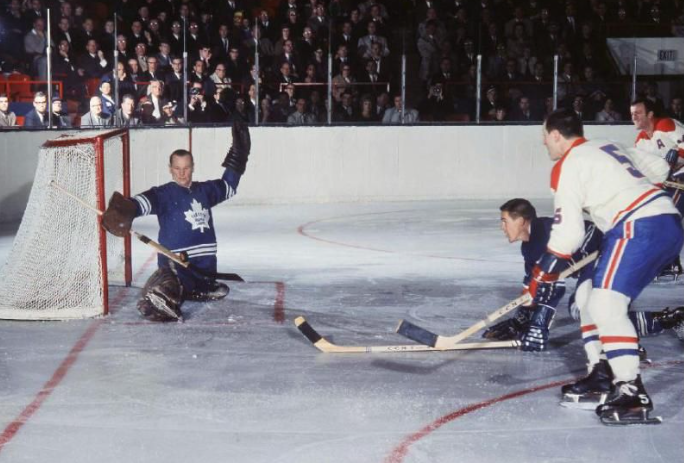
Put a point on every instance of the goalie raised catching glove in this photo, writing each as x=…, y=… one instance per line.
x=118, y=218
x=236, y=158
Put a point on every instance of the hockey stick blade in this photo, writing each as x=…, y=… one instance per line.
x=416, y=333
x=440, y=342
x=326, y=346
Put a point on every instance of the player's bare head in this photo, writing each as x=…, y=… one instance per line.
x=181, y=167
x=516, y=215
x=642, y=111
x=561, y=128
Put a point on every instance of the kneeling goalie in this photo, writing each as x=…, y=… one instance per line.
x=186, y=227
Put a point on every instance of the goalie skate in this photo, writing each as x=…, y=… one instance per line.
x=214, y=293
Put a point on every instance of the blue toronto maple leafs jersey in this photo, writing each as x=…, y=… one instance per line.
x=540, y=232
x=184, y=215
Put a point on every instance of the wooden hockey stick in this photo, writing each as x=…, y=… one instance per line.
x=326, y=346
x=440, y=342
x=150, y=242
x=676, y=185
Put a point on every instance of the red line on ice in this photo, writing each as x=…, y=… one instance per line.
x=399, y=452
x=13, y=428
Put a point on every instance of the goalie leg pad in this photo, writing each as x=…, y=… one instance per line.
x=162, y=297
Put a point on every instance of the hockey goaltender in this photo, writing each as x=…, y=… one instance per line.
x=186, y=227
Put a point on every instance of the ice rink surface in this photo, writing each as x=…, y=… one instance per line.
x=238, y=383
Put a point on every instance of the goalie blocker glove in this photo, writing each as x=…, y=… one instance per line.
x=236, y=158
x=118, y=218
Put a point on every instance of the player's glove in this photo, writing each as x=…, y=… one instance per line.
x=118, y=218
x=672, y=157
x=537, y=336
x=512, y=328
x=236, y=158
x=544, y=285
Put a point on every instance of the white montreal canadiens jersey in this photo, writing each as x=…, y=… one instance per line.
x=184, y=214
x=599, y=178
x=667, y=134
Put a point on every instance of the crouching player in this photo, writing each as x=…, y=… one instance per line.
x=186, y=226
x=531, y=323
x=642, y=233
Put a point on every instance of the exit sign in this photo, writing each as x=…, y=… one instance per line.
x=667, y=55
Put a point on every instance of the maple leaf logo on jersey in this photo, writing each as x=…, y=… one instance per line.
x=197, y=216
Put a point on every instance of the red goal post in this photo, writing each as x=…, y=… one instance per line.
x=62, y=262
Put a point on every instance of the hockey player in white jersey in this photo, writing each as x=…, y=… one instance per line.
x=664, y=138
x=642, y=233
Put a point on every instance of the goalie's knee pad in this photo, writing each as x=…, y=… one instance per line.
x=162, y=296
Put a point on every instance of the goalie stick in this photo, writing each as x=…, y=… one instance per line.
x=158, y=247
x=326, y=346
x=440, y=342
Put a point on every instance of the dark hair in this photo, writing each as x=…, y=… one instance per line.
x=519, y=207
x=181, y=153
x=648, y=105
x=566, y=122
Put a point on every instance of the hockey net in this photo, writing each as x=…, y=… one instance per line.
x=62, y=261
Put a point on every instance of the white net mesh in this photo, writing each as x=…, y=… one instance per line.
x=54, y=268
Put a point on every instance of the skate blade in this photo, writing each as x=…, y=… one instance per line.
x=577, y=402
x=630, y=418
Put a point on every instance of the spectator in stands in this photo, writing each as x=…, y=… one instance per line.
x=300, y=116
x=318, y=22
x=164, y=56
x=105, y=92
x=320, y=62
x=265, y=112
x=489, y=103
x=428, y=48
x=526, y=64
x=365, y=42
x=107, y=40
x=290, y=57
x=86, y=33
x=156, y=97
x=608, y=113
x=125, y=116
x=64, y=32
x=394, y=115
x=317, y=108
x=64, y=68
x=38, y=116
x=218, y=109
x=343, y=82
x=176, y=38
x=174, y=80
x=126, y=84
x=306, y=44
x=524, y=112
x=676, y=109
x=198, y=74
x=344, y=109
x=501, y=114
x=153, y=71
x=197, y=106
x=124, y=52
x=60, y=118
x=438, y=106
x=655, y=98
x=580, y=109
x=285, y=76
x=281, y=109
x=141, y=56
x=367, y=114
x=35, y=42
x=516, y=44
x=170, y=117
x=7, y=117
x=95, y=117
x=93, y=62
x=496, y=64
x=236, y=66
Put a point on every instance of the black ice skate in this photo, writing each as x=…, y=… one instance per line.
x=671, y=272
x=627, y=404
x=672, y=319
x=215, y=292
x=590, y=391
x=157, y=307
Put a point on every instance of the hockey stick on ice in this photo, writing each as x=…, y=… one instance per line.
x=158, y=247
x=439, y=342
x=326, y=346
